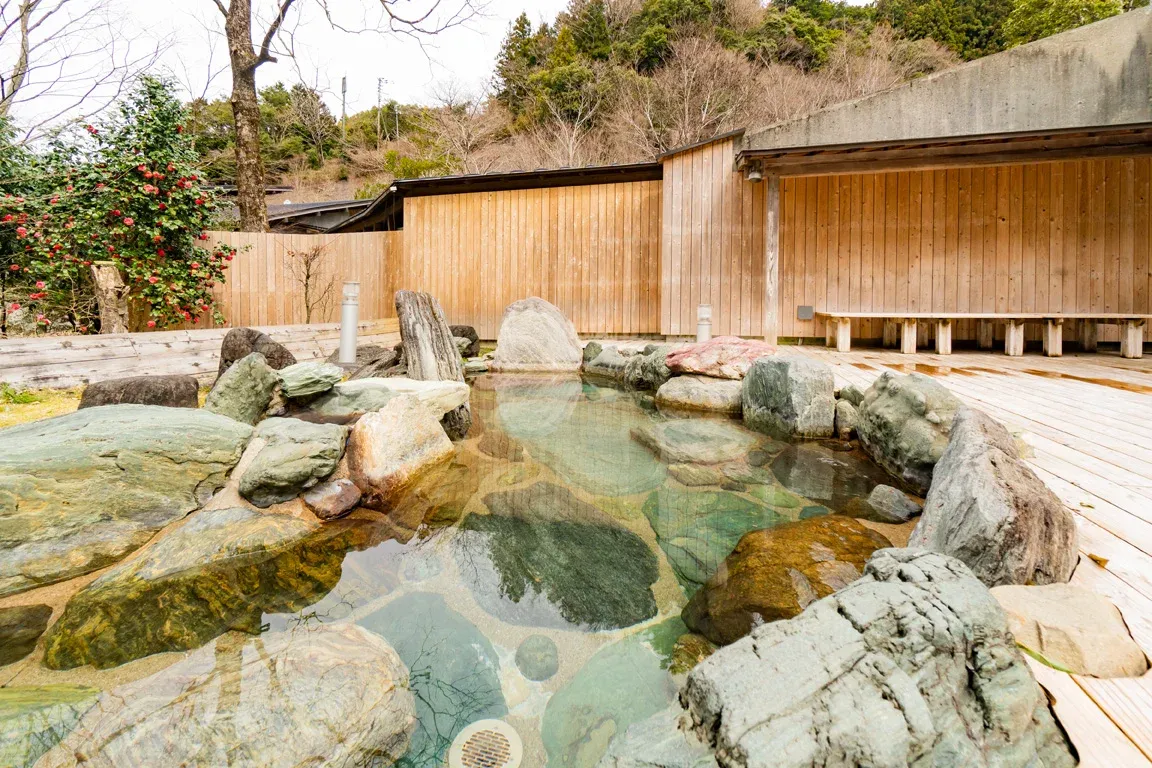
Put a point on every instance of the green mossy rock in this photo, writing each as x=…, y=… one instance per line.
x=223, y=569
x=34, y=719
x=244, y=391
x=697, y=441
x=311, y=378
x=298, y=455
x=79, y=492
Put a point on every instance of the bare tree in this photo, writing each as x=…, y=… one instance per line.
x=65, y=55
x=466, y=126
x=247, y=54
x=311, y=113
x=308, y=270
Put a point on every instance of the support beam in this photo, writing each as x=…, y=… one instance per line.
x=1089, y=335
x=923, y=334
x=908, y=336
x=843, y=335
x=772, y=260
x=985, y=334
x=1054, y=338
x=943, y=337
x=891, y=334
x=1014, y=339
x=1132, y=339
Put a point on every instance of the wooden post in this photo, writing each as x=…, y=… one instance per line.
x=985, y=334
x=772, y=260
x=922, y=333
x=111, y=297
x=1054, y=338
x=1132, y=339
x=891, y=334
x=843, y=334
x=430, y=352
x=1014, y=338
x=908, y=336
x=943, y=337
x=1089, y=335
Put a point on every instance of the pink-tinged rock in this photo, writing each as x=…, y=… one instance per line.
x=724, y=357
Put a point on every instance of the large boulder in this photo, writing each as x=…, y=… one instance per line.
x=700, y=393
x=1072, y=629
x=904, y=423
x=535, y=336
x=390, y=449
x=79, y=492
x=348, y=401
x=244, y=391
x=696, y=441
x=791, y=396
x=241, y=342
x=912, y=665
x=310, y=378
x=724, y=357
x=469, y=333
x=776, y=573
x=176, y=391
x=322, y=694
x=649, y=369
x=295, y=457
x=989, y=510
x=20, y=628
x=223, y=569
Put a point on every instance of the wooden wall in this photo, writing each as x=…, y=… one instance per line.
x=1048, y=237
x=593, y=251
x=261, y=290
x=712, y=250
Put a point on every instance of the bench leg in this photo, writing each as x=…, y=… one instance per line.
x=922, y=333
x=1089, y=335
x=1132, y=339
x=891, y=334
x=829, y=332
x=1014, y=339
x=943, y=337
x=843, y=335
x=985, y=334
x=908, y=337
x=1054, y=338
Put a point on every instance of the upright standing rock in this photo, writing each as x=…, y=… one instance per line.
x=430, y=352
x=535, y=336
x=790, y=395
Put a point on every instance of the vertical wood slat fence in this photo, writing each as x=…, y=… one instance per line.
x=261, y=289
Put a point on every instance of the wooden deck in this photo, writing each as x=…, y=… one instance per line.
x=1088, y=421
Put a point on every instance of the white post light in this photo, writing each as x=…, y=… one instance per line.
x=349, y=320
x=703, y=322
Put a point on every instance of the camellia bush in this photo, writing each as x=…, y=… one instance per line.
x=126, y=192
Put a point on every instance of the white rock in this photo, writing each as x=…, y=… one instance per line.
x=535, y=336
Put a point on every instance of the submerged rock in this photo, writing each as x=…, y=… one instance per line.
x=911, y=665
x=989, y=510
x=454, y=673
x=884, y=505
x=33, y=719
x=20, y=628
x=775, y=574
x=79, y=492
x=321, y=695
x=696, y=441
x=390, y=449
x=658, y=742
x=904, y=423
x=789, y=395
x=221, y=570
x=311, y=378
x=535, y=336
x=297, y=456
x=244, y=391
x=499, y=446
x=538, y=658
x=332, y=500
x=700, y=393
x=241, y=342
x=176, y=391
x=545, y=558
x=724, y=357
x=348, y=401
x=831, y=477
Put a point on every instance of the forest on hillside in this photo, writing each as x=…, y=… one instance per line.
x=612, y=81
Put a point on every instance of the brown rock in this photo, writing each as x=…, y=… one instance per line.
x=241, y=342
x=332, y=500
x=20, y=628
x=776, y=573
x=500, y=446
x=724, y=357
x=175, y=391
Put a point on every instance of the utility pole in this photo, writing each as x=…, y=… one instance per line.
x=344, y=108
x=379, y=116
x=397, y=120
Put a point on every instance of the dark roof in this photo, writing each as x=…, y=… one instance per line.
x=388, y=208
x=288, y=210
x=696, y=145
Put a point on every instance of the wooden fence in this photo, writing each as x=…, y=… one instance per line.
x=264, y=284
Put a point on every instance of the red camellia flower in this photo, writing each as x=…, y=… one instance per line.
x=141, y=168
x=128, y=221
x=199, y=201
x=195, y=265
x=39, y=283
x=15, y=267
x=13, y=307
x=160, y=252
x=21, y=232
x=163, y=206
x=116, y=212
x=229, y=257
x=153, y=279
x=8, y=218
x=83, y=329
x=151, y=323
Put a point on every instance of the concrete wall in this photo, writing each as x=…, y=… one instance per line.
x=1097, y=75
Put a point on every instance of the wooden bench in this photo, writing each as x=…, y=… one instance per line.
x=900, y=329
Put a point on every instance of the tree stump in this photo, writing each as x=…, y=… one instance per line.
x=430, y=353
x=111, y=297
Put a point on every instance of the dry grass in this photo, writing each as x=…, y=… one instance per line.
x=22, y=406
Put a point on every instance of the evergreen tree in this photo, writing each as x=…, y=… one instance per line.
x=1033, y=19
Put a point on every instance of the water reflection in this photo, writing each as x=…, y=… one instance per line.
x=828, y=474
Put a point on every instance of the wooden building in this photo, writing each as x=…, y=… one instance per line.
x=1017, y=184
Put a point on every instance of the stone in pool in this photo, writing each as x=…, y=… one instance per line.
x=221, y=570
x=79, y=492
x=831, y=477
x=453, y=671
x=623, y=683
x=697, y=529
x=545, y=558
x=33, y=719
x=537, y=658
x=20, y=628
x=297, y=456
x=696, y=441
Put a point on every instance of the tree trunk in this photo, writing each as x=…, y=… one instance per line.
x=111, y=297
x=430, y=352
x=246, y=114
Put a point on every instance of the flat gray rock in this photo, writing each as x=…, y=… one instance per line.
x=311, y=378
x=696, y=441
x=700, y=393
